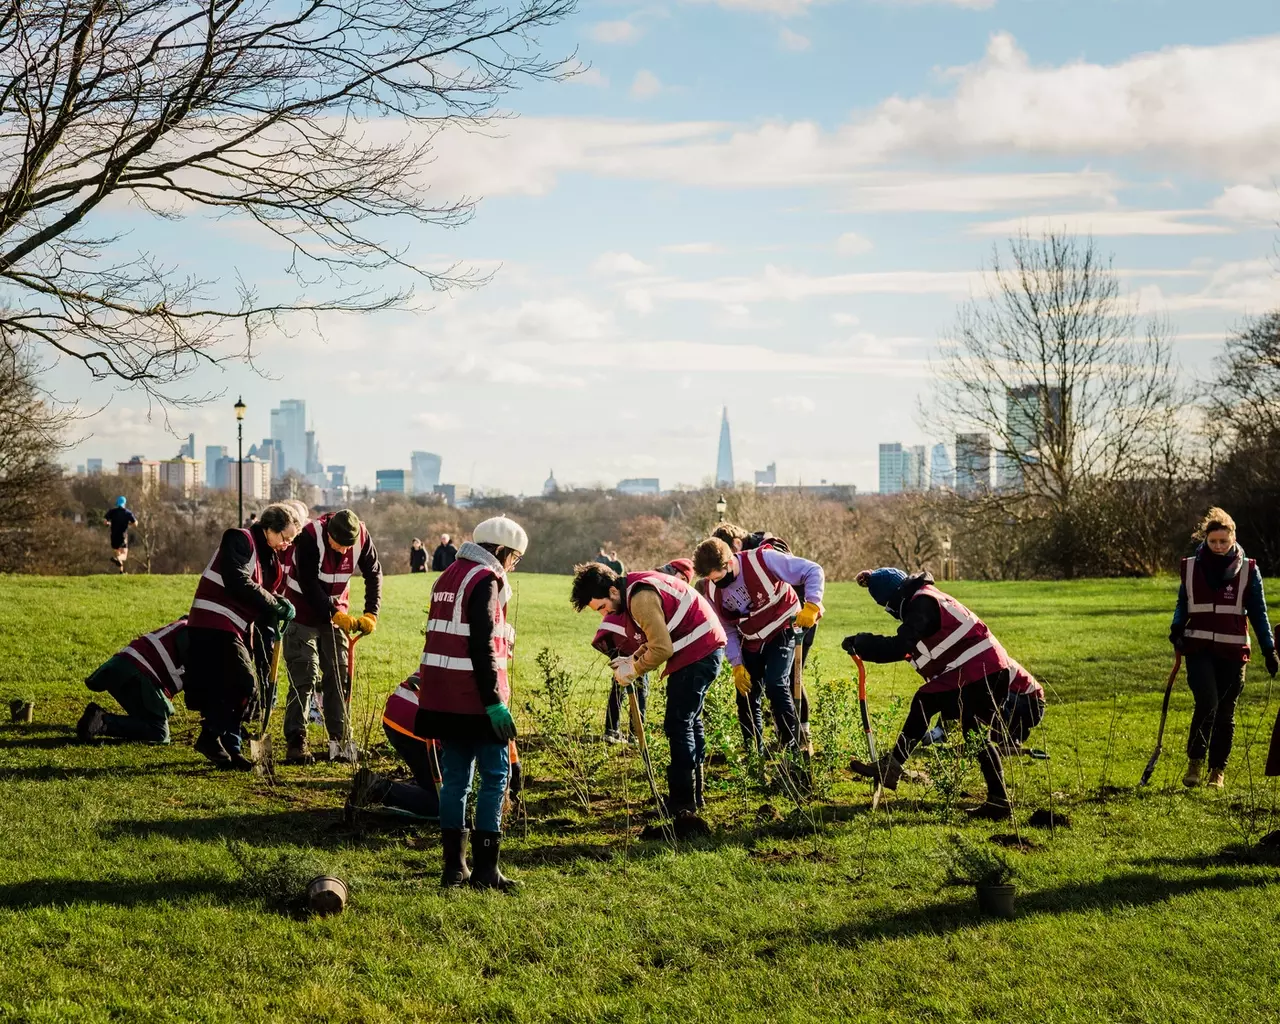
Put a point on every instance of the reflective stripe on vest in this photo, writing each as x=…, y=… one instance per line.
x=974, y=651
x=155, y=646
x=692, y=623
x=401, y=710
x=336, y=584
x=1223, y=628
x=212, y=608
x=773, y=602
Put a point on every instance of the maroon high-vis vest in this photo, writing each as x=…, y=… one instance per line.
x=1216, y=619
x=157, y=654
x=694, y=627
x=448, y=681
x=773, y=603
x=961, y=652
x=618, y=636
x=336, y=570
x=214, y=608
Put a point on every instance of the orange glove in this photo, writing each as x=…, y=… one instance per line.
x=808, y=616
x=367, y=623
x=344, y=622
x=742, y=680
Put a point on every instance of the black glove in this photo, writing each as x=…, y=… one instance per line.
x=515, y=783
x=1273, y=663
x=850, y=643
x=1175, y=637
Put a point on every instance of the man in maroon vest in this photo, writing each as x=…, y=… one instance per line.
x=464, y=694
x=684, y=637
x=966, y=673
x=328, y=552
x=754, y=593
x=241, y=585
x=143, y=678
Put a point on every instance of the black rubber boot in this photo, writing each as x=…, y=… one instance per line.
x=455, y=873
x=208, y=744
x=681, y=790
x=90, y=725
x=485, y=851
x=699, y=786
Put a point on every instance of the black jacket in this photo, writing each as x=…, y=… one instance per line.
x=236, y=575
x=306, y=571
x=920, y=619
x=417, y=559
x=443, y=557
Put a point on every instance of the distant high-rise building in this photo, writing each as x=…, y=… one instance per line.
x=767, y=477
x=289, y=429
x=425, y=468
x=891, y=468
x=941, y=474
x=182, y=475
x=1030, y=414
x=337, y=476
x=448, y=492
x=188, y=450
x=724, y=455
x=389, y=481
x=639, y=485
x=93, y=467
x=213, y=456
x=270, y=452
x=973, y=464
x=145, y=471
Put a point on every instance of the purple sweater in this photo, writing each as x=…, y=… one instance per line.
x=799, y=572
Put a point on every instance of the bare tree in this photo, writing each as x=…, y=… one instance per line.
x=1073, y=388
x=313, y=119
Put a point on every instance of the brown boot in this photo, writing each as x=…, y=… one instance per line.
x=1217, y=778
x=296, y=749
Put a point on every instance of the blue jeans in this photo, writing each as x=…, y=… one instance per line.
x=459, y=760
x=770, y=670
x=686, y=692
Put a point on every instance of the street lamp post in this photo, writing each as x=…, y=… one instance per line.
x=240, y=407
x=721, y=505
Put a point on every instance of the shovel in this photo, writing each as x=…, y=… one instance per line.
x=1164, y=714
x=866, y=728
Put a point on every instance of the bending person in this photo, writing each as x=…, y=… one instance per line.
x=464, y=694
x=420, y=797
x=965, y=669
x=243, y=583
x=143, y=677
x=1220, y=595
x=683, y=636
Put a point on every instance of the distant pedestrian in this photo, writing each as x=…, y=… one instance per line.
x=120, y=519
x=610, y=559
x=1220, y=595
x=417, y=556
x=444, y=554
x=253, y=518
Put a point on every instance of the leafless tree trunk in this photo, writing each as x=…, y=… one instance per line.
x=1055, y=365
x=313, y=119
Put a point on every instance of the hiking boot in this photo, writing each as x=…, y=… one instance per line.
x=886, y=772
x=343, y=752
x=210, y=745
x=1192, y=778
x=367, y=788
x=91, y=723
x=296, y=750
x=991, y=811
x=237, y=762
x=454, y=844
x=614, y=736
x=485, y=874
x=680, y=787
x=1217, y=778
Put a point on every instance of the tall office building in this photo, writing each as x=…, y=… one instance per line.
x=188, y=450
x=941, y=474
x=902, y=469
x=213, y=456
x=389, y=481
x=724, y=456
x=767, y=477
x=93, y=467
x=973, y=464
x=289, y=430
x=1030, y=413
x=425, y=469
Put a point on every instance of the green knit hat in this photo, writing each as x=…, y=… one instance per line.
x=344, y=527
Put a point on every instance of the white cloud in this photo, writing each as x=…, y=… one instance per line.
x=443, y=422
x=973, y=193
x=775, y=284
x=844, y=319
x=853, y=244
x=971, y=5
x=1105, y=223
x=615, y=32
x=645, y=85
x=782, y=8
x=562, y=317
x=1249, y=203
x=694, y=248
x=593, y=76
x=1245, y=286
x=638, y=300
x=793, y=41
x=615, y=263
x=794, y=404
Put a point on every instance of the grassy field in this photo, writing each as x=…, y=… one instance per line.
x=137, y=885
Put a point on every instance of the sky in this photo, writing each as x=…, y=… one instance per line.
x=774, y=206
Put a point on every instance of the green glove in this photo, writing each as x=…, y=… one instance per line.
x=285, y=611
x=500, y=719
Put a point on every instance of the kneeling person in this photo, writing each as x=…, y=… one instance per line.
x=966, y=672
x=683, y=635
x=421, y=797
x=143, y=677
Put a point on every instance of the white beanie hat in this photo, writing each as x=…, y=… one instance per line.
x=502, y=532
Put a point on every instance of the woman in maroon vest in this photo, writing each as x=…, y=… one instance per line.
x=1221, y=593
x=966, y=673
x=241, y=585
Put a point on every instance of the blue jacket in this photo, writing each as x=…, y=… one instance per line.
x=1255, y=605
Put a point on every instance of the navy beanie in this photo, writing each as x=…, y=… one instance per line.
x=882, y=583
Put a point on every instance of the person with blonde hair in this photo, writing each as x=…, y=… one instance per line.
x=1219, y=596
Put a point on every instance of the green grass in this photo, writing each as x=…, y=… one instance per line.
x=124, y=893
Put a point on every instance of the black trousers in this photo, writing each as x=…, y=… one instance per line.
x=974, y=705
x=1216, y=683
x=219, y=681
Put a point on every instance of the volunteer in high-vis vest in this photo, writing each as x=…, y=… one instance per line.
x=143, y=677
x=1220, y=595
x=464, y=697
x=683, y=636
x=965, y=669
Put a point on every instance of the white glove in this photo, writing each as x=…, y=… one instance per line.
x=624, y=671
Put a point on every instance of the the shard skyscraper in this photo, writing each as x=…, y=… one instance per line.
x=724, y=457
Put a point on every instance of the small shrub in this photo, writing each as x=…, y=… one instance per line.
x=968, y=864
